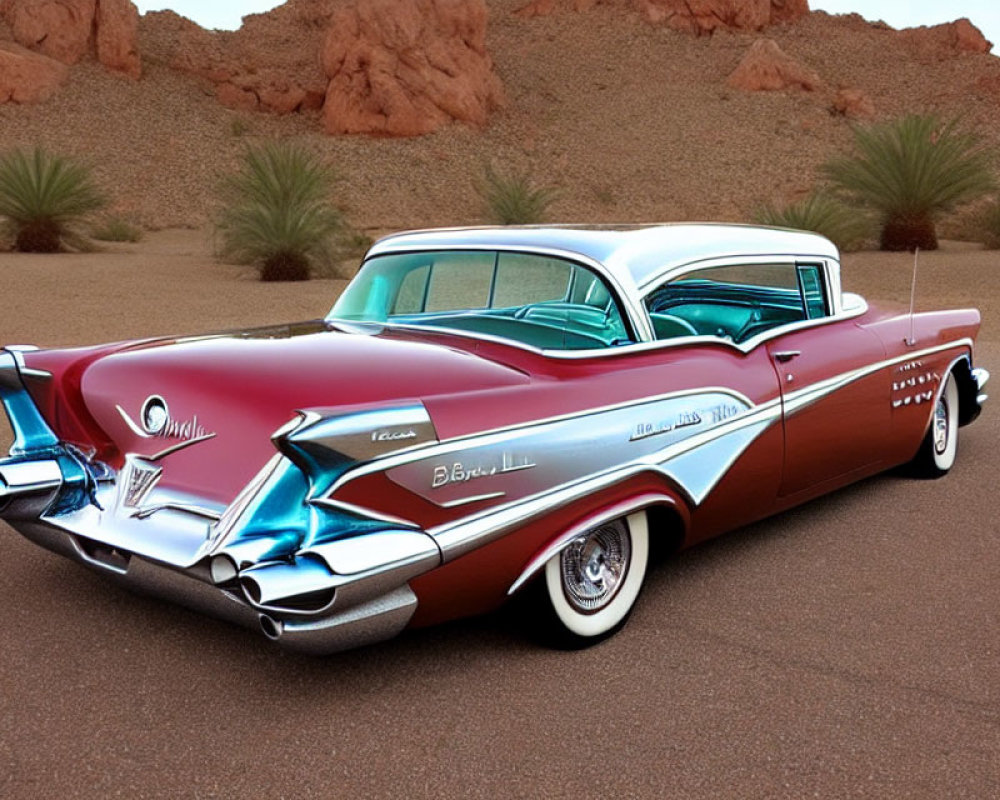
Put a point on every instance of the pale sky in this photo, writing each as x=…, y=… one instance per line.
x=226, y=14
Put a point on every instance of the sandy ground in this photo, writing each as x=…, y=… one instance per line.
x=845, y=649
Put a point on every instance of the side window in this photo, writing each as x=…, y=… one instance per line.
x=734, y=302
x=813, y=294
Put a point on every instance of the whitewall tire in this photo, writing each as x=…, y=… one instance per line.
x=590, y=588
x=940, y=446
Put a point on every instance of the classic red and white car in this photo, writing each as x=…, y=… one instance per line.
x=484, y=412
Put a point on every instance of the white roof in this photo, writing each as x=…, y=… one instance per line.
x=633, y=255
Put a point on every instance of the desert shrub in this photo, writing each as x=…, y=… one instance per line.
x=513, y=198
x=277, y=212
x=115, y=229
x=43, y=197
x=820, y=213
x=910, y=171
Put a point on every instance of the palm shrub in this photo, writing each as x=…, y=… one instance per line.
x=820, y=213
x=277, y=212
x=910, y=171
x=513, y=198
x=43, y=196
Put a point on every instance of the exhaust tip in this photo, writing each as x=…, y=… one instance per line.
x=222, y=569
x=251, y=589
x=271, y=627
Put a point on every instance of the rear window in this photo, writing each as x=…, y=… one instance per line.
x=541, y=301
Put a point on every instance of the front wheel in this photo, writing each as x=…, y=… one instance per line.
x=590, y=588
x=940, y=446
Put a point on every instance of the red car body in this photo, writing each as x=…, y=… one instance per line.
x=336, y=481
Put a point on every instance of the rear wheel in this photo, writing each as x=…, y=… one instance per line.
x=589, y=589
x=940, y=446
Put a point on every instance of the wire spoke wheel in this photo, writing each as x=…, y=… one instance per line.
x=594, y=566
x=588, y=589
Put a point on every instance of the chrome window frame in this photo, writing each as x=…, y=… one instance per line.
x=835, y=310
x=637, y=322
x=632, y=297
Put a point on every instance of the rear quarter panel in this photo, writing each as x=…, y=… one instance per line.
x=925, y=348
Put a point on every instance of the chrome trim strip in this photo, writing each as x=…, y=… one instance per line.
x=461, y=536
x=131, y=424
x=465, y=501
x=793, y=401
x=179, y=446
x=464, y=535
x=198, y=511
x=507, y=432
x=40, y=374
x=799, y=399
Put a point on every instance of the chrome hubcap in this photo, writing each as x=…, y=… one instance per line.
x=941, y=427
x=594, y=567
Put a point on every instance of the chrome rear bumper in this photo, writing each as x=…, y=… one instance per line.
x=372, y=621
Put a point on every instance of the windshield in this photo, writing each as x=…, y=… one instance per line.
x=542, y=301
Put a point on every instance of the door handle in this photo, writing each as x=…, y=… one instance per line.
x=784, y=356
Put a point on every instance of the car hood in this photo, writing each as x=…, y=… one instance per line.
x=226, y=395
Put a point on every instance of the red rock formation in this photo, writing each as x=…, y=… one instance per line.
x=765, y=67
x=27, y=77
x=67, y=30
x=60, y=29
x=271, y=64
x=407, y=67
x=117, y=23
x=853, y=103
x=940, y=42
x=692, y=16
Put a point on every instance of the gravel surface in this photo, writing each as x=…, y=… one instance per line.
x=848, y=648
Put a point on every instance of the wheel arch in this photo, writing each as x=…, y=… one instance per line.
x=968, y=390
x=667, y=516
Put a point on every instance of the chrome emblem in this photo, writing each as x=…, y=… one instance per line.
x=138, y=479
x=156, y=423
x=393, y=436
x=154, y=414
x=459, y=472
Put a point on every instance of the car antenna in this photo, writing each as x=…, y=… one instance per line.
x=910, y=341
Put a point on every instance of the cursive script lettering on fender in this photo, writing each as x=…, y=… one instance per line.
x=393, y=436
x=182, y=430
x=646, y=429
x=459, y=472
